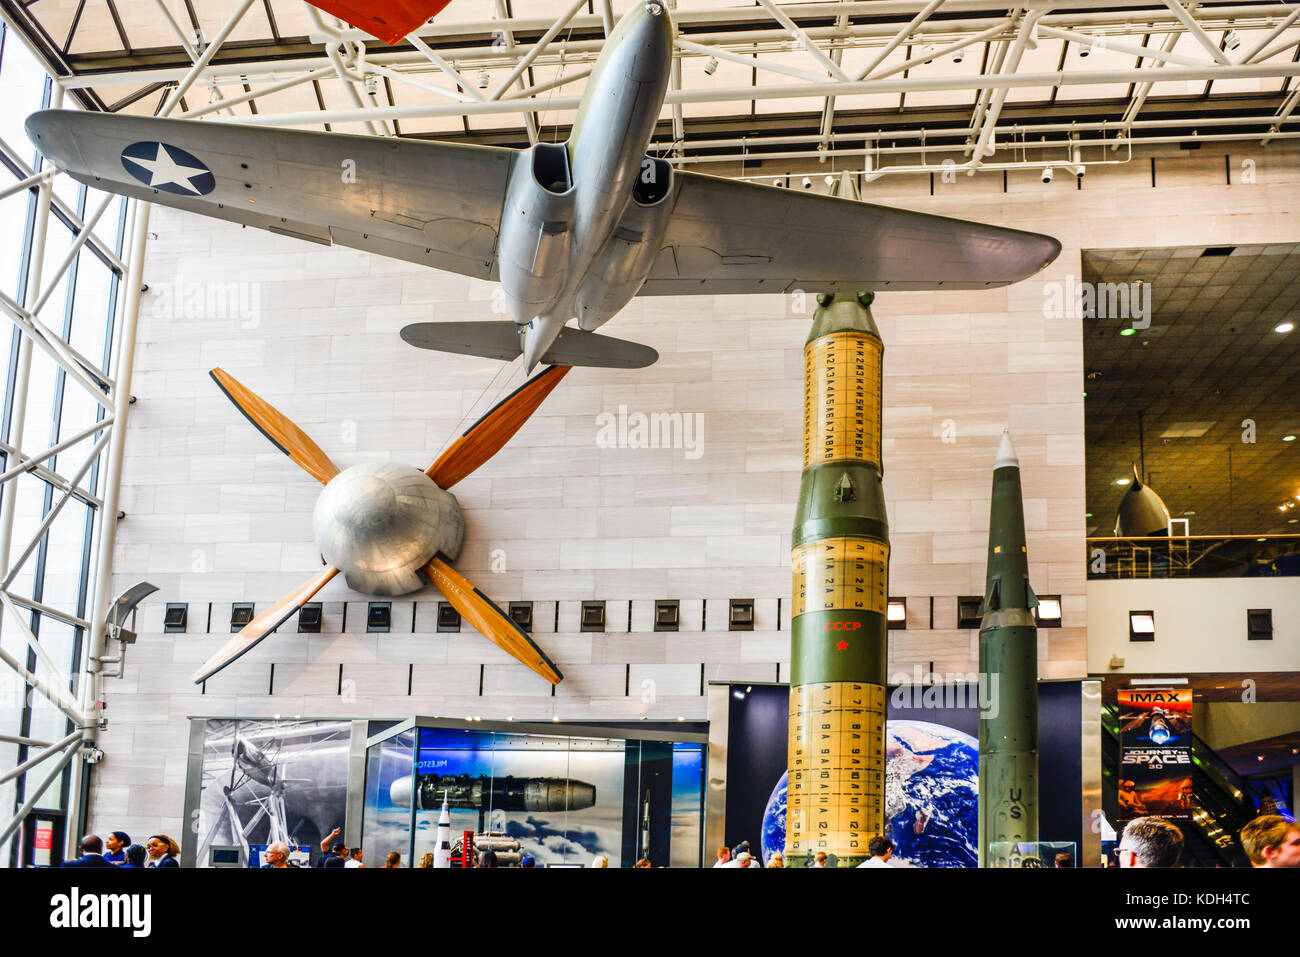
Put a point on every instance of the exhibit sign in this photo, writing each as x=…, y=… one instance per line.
x=1155, y=753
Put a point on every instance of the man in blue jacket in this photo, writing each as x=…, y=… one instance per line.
x=92, y=854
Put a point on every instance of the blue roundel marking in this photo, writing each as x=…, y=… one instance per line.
x=168, y=168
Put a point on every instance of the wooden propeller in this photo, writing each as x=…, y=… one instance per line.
x=277, y=427
x=489, y=620
x=262, y=625
x=484, y=438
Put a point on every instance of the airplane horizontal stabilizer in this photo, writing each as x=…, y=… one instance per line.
x=500, y=340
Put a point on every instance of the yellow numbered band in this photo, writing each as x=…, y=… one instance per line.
x=840, y=573
x=835, y=800
x=841, y=406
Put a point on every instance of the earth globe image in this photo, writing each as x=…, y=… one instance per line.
x=931, y=797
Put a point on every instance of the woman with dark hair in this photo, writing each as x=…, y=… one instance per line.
x=115, y=845
x=162, y=851
x=135, y=854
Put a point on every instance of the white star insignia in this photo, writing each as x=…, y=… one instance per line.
x=164, y=170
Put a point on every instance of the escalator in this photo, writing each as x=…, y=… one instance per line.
x=1222, y=802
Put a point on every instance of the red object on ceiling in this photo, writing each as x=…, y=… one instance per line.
x=389, y=20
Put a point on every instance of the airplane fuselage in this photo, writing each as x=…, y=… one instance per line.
x=577, y=236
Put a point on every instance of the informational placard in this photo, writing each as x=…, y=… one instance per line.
x=1155, y=741
x=42, y=843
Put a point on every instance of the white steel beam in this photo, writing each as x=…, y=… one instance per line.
x=530, y=118
x=22, y=366
x=437, y=60
x=36, y=795
x=1142, y=90
x=527, y=60
x=54, y=511
x=205, y=57
x=1254, y=51
x=57, y=349
x=1187, y=20
x=1107, y=43
x=53, y=282
x=900, y=37
x=751, y=61
x=100, y=594
x=34, y=180
x=40, y=756
x=1283, y=114
x=803, y=39
x=808, y=90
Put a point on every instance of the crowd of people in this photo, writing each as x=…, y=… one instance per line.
x=1269, y=841
x=118, y=851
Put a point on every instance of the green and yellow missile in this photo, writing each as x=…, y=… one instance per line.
x=1008, y=661
x=840, y=555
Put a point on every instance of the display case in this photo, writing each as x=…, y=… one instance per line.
x=1033, y=854
x=560, y=795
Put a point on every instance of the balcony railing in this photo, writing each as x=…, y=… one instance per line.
x=1194, y=556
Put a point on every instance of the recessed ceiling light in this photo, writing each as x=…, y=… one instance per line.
x=1288, y=438
x=1122, y=481
x=1087, y=514
x=1127, y=331
x=1284, y=327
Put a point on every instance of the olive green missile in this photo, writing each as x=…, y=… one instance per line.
x=1008, y=662
x=840, y=557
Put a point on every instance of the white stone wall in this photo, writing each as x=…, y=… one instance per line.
x=215, y=515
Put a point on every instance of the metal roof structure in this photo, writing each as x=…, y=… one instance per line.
x=881, y=86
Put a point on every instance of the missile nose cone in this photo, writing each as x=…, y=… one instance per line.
x=1006, y=456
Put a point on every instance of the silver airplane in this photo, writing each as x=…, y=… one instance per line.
x=571, y=230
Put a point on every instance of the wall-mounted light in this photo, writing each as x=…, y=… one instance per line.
x=175, y=617
x=241, y=613
x=593, y=616
x=1048, y=612
x=521, y=613
x=896, y=614
x=741, y=615
x=1141, y=626
x=309, y=618
x=448, y=617
x=667, y=615
x=968, y=611
x=1259, y=624
x=379, y=617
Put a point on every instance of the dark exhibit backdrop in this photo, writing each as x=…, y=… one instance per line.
x=757, y=738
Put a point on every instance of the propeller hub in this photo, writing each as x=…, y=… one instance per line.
x=380, y=523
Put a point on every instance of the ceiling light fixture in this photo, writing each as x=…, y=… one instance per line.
x=1122, y=481
x=1284, y=327
x=1127, y=331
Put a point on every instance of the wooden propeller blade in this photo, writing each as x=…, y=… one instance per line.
x=262, y=625
x=277, y=427
x=489, y=620
x=485, y=437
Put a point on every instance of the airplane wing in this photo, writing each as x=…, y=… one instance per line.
x=438, y=204
x=727, y=236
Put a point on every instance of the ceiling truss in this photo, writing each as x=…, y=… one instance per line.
x=883, y=86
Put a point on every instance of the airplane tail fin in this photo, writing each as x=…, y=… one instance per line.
x=501, y=340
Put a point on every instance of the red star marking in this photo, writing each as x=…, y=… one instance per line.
x=842, y=645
